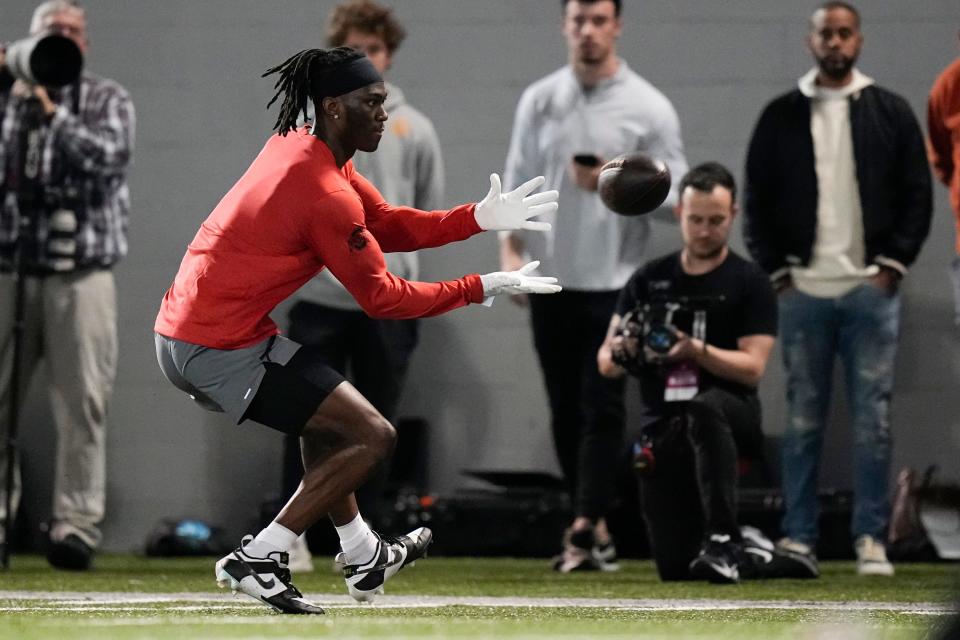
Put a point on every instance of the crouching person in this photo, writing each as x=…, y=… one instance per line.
x=696, y=327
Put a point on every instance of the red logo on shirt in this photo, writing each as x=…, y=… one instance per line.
x=357, y=240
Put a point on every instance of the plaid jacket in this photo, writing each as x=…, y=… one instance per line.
x=82, y=167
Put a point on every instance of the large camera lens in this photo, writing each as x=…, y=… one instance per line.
x=661, y=338
x=47, y=59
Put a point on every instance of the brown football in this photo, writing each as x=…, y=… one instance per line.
x=633, y=184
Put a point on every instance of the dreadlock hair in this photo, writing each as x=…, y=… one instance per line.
x=299, y=79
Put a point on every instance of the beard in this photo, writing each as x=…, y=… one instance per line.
x=836, y=66
x=708, y=252
x=592, y=55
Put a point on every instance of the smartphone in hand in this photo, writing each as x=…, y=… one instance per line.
x=587, y=159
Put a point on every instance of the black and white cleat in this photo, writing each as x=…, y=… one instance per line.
x=265, y=579
x=365, y=581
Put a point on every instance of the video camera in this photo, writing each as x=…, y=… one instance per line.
x=46, y=59
x=649, y=331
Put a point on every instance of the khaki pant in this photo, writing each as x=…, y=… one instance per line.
x=70, y=323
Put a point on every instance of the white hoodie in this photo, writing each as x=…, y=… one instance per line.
x=837, y=262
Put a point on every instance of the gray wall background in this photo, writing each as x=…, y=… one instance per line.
x=193, y=69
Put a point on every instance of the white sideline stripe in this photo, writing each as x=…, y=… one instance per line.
x=59, y=608
x=193, y=609
x=95, y=601
x=852, y=629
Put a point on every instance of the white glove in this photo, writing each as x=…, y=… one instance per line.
x=504, y=211
x=518, y=282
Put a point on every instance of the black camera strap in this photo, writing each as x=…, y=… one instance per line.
x=25, y=176
x=76, y=96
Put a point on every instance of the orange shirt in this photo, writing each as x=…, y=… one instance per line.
x=292, y=213
x=943, y=121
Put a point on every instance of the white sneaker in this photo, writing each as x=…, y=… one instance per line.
x=300, y=559
x=577, y=554
x=575, y=559
x=604, y=551
x=606, y=556
x=264, y=579
x=872, y=557
x=789, y=544
x=365, y=581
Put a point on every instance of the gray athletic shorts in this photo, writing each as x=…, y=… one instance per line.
x=219, y=379
x=276, y=382
x=228, y=380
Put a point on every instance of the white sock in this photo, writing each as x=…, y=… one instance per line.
x=275, y=537
x=357, y=541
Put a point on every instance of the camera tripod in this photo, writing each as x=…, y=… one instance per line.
x=29, y=169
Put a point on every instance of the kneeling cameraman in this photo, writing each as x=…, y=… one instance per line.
x=696, y=327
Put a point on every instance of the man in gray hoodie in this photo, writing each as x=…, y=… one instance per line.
x=408, y=170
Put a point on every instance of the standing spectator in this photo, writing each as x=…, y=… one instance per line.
x=408, y=170
x=567, y=124
x=837, y=205
x=76, y=208
x=943, y=122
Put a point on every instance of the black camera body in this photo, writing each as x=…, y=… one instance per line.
x=649, y=331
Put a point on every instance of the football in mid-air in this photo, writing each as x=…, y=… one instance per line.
x=633, y=184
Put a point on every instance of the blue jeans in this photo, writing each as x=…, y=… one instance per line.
x=862, y=328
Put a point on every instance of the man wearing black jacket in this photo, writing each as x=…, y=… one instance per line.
x=837, y=206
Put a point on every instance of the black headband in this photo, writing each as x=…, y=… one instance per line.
x=346, y=78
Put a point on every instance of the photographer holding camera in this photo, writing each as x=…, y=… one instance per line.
x=64, y=154
x=700, y=324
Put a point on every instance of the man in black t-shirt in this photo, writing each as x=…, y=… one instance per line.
x=700, y=406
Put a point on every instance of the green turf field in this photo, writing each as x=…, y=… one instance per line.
x=131, y=597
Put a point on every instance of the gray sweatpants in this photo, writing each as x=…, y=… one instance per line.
x=71, y=325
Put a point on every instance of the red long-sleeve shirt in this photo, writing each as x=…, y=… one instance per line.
x=943, y=122
x=291, y=214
